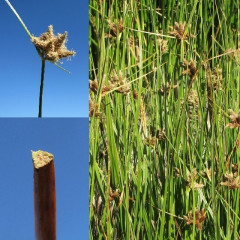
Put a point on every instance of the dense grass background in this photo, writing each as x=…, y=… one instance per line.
x=159, y=145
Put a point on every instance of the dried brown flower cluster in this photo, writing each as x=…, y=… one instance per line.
x=235, y=169
x=193, y=103
x=200, y=216
x=120, y=82
x=177, y=172
x=166, y=89
x=190, y=68
x=114, y=28
x=231, y=182
x=52, y=47
x=135, y=94
x=150, y=141
x=93, y=109
x=93, y=85
x=161, y=135
x=193, y=98
x=113, y=194
x=217, y=79
x=157, y=134
x=191, y=179
x=235, y=53
x=107, y=88
x=178, y=31
x=207, y=173
x=235, y=119
x=116, y=81
x=163, y=44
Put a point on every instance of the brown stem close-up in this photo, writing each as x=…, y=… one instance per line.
x=44, y=195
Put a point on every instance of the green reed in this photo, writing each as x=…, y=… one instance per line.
x=159, y=110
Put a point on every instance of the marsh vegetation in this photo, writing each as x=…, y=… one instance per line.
x=164, y=124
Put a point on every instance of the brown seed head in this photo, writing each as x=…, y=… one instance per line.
x=199, y=218
x=190, y=68
x=231, y=182
x=234, y=119
x=178, y=31
x=113, y=194
x=52, y=47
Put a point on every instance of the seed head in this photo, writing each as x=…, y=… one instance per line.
x=235, y=119
x=52, y=47
x=178, y=31
x=189, y=68
x=231, y=181
x=200, y=216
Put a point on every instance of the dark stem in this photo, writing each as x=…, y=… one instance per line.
x=41, y=89
x=44, y=202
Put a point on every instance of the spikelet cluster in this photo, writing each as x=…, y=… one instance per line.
x=52, y=47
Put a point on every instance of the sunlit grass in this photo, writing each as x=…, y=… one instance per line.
x=162, y=80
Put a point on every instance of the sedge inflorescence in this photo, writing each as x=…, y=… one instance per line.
x=52, y=47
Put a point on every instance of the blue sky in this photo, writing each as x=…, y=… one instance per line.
x=67, y=140
x=65, y=95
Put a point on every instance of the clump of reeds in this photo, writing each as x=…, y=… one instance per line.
x=168, y=148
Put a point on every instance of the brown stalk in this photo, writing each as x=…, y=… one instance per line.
x=44, y=196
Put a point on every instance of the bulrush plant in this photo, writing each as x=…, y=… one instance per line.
x=44, y=195
x=49, y=47
x=165, y=139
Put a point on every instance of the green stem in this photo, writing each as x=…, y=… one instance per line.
x=41, y=89
x=19, y=19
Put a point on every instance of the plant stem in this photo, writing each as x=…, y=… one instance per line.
x=19, y=18
x=44, y=198
x=41, y=89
